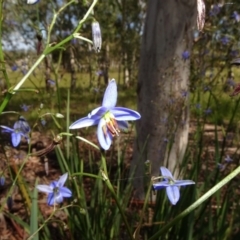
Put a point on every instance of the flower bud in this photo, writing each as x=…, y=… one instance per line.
x=97, y=37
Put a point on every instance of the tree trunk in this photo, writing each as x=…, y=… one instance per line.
x=162, y=87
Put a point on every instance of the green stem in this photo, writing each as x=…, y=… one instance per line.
x=58, y=45
x=5, y=101
x=110, y=187
x=86, y=174
x=29, y=73
x=197, y=203
x=47, y=220
x=14, y=183
x=3, y=67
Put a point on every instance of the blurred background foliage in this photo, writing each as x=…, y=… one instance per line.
x=214, y=114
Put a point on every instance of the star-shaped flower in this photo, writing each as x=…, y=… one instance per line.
x=171, y=185
x=56, y=191
x=108, y=117
x=20, y=129
x=185, y=55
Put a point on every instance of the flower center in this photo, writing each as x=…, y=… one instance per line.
x=111, y=124
x=55, y=190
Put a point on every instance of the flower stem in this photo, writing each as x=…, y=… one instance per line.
x=110, y=187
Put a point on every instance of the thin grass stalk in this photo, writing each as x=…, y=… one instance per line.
x=110, y=187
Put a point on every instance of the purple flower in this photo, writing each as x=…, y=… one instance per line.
x=208, y=111
x=43, y=121
x=24, y=107
x=185, y=55
x=20, y=129
x=184, y=93
x=51, y=82
x=14, y=68
x=215, y=9
x=220, y=166
x=56, y=191
x=225, y=40
x=171, y=185
x=108, y=117
x=2, y=180
x=228, y=159
x=236, y=16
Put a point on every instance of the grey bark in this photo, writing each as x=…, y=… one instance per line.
x=163, y=78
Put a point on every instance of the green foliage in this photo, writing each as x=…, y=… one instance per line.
x=101, y=206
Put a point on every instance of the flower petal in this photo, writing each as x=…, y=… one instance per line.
x=54, y=184
x=58, y=198
x=110, y=95
x=45, y=188
x=173, y=194
x=65, y=192
x=22, y=125
x=7, y=129
x=84, y=122
x=104, y=140
x=160, y=185
x=50, y=199
x=125, y=114
x=122, y=125
x=183, y=182
x=16, y=139
x=166, y=173
x=62, y=180
x=97, y=112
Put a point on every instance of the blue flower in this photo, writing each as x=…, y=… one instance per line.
x=236, y=16
x=171, y=185
x=184, y=93
x=2, y=180
x=208, y=111
x=228, y=159
x=215, y=9
x=22, y=125
x=14, y=68
x=225, y=40
x=56, y=191
x=20, y=129
x=43, y=121
x=185, y=55
x=24, y=107
x=51, y=82
x=108, y=117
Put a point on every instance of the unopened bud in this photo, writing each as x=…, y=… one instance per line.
x=97, y=37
